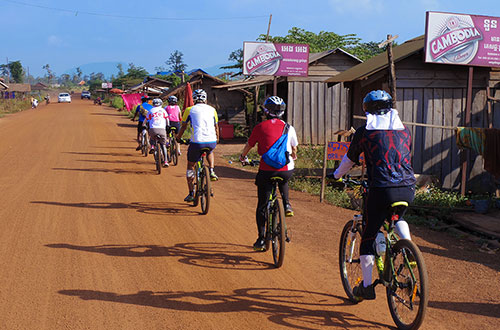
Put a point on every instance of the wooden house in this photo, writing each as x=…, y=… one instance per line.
x=152, y=86
x=18, y=90
x=230, y=104
x=315, y=110
x=433, y=95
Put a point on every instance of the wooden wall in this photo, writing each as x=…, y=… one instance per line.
x=317, y=111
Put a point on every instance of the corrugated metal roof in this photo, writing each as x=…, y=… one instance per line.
x=379, y=62
x=3, y=85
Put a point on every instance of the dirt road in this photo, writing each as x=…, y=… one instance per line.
x=91, y=238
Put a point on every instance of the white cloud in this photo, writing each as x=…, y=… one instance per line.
x=54, y=40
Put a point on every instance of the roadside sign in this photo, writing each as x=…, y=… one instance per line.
x=462, y=39
x=107, y=85
x=337, y=150
x=270, y=59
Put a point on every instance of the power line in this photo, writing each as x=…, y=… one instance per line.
x=77, y=12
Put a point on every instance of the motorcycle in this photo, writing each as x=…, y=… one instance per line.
x=97, y=101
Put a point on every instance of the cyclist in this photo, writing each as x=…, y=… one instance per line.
x=158, y=120
x=386, y=145
x=174, y=115
x=265, y=135
x=142, y=111
x=204, y=134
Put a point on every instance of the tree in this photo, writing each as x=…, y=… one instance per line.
x=119, y=66
x=5, y=71
x=50, y=73
x=324, y=41
x=135, y=75
x=175, y=61
x=236, y=56
x=16, y=71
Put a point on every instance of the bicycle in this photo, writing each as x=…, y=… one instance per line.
x=144, y=138
x=401, y=269
x=158, y=154
x=276, y=231
x=202, y=183
x=173, y=147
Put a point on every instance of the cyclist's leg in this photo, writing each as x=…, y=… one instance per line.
x=376, y=213
x=193, y=155
x=264, y=188
x=398, y=194
x=163, y=142
x=211, y=163
x=284, y=190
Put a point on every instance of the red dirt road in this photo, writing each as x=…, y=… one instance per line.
x=92, y=238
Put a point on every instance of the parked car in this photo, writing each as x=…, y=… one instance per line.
x=86, y=95
x=64, y=97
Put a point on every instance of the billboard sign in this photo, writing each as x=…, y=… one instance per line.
x=462, y=39
x=269, y=59
x=337, y=151
x=107, y=85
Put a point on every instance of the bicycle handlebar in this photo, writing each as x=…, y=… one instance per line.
x=250, y=162
x=184, y=141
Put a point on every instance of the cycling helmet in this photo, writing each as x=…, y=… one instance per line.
x=172, y=100
x=157, y=102
x=199, y=95
x=274, y=106
x=377, y=101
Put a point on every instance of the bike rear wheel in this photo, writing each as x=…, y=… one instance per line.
x=407, y=297
x=144, y=145
x=349, y=262
x=278, y=233
x=169, y=150
x=197, y=177
x=174, y=151
x=205, y=190
x=158, y=157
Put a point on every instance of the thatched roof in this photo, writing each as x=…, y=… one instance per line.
x=22, y=88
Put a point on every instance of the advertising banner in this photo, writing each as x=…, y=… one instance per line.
x=268, y=59
x=462, y=39
x=337, y=150
x=107, y=85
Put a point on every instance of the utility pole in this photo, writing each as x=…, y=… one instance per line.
x=392, y=69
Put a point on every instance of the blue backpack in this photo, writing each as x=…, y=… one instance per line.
x=277, y=156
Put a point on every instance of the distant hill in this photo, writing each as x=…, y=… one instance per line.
x=107, y=68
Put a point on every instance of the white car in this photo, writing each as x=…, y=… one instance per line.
x=64, y=97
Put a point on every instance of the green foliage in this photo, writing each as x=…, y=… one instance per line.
x=312, y=186
x=135, y=75
x=439, y=198
x=236, y=56
x=117, y=102
x=16, y=71
x=175, y=61
x=14, y=105
x=324, y=41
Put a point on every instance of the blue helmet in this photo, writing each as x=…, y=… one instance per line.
x=376, y=101
x=275, y=106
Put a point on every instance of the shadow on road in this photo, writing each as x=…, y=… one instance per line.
x=117, y=154
x=150, y=162
x=157, y=208
x=491, y=310
x=234, y=173
x=126, y=125
x=208, y=255
x=107, y=114
x=105, y=170
x=285, y=307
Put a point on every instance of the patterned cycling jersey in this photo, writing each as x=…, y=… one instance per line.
x=143, y=109
x=387, y=155
x=157, y=117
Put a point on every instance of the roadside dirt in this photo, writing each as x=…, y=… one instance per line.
x=92, y=238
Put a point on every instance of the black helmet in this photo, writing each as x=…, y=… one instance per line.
x=144, y=99
x=172, y=100
x=274, y=106
x=378, y=100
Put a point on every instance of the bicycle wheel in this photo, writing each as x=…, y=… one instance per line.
x=278, y=233
x=408, y=295
x=158, y=157
x=197, y=179
x=144, y=145
x=174, y=152
x=169, y=153
x=350, y=267
x=205, y=189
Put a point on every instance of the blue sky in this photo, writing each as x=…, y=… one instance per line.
x=71, y=36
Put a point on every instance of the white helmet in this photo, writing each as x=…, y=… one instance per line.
x=199, y=95
x=157, y=102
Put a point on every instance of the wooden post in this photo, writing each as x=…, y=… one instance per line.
x=255, y=107
x=392, y=69
x=269, y=27
x=465, y=153
x=275, y=86
x=323, y=175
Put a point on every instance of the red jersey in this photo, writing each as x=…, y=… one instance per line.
x=265, y=135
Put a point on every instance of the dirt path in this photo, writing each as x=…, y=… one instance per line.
x=93, y=239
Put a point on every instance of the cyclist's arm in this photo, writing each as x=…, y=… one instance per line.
x=351, y=157
x=181, y=131
x=245, y=151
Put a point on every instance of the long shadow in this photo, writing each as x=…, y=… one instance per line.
x=116, y=154
x=116, y=147
x=126, y=125
x=234, y=173
x=491, y=310
x=106, y=114
x=105, y=170
x=296, y=309
x=206, y=255
x=137, y=162
x=157, y=208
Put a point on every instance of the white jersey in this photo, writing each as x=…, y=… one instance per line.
x=157, y=117
x=202, y=118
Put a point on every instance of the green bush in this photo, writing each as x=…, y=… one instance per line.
x=117, y=102
x=439, y=198
x=14, y=105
